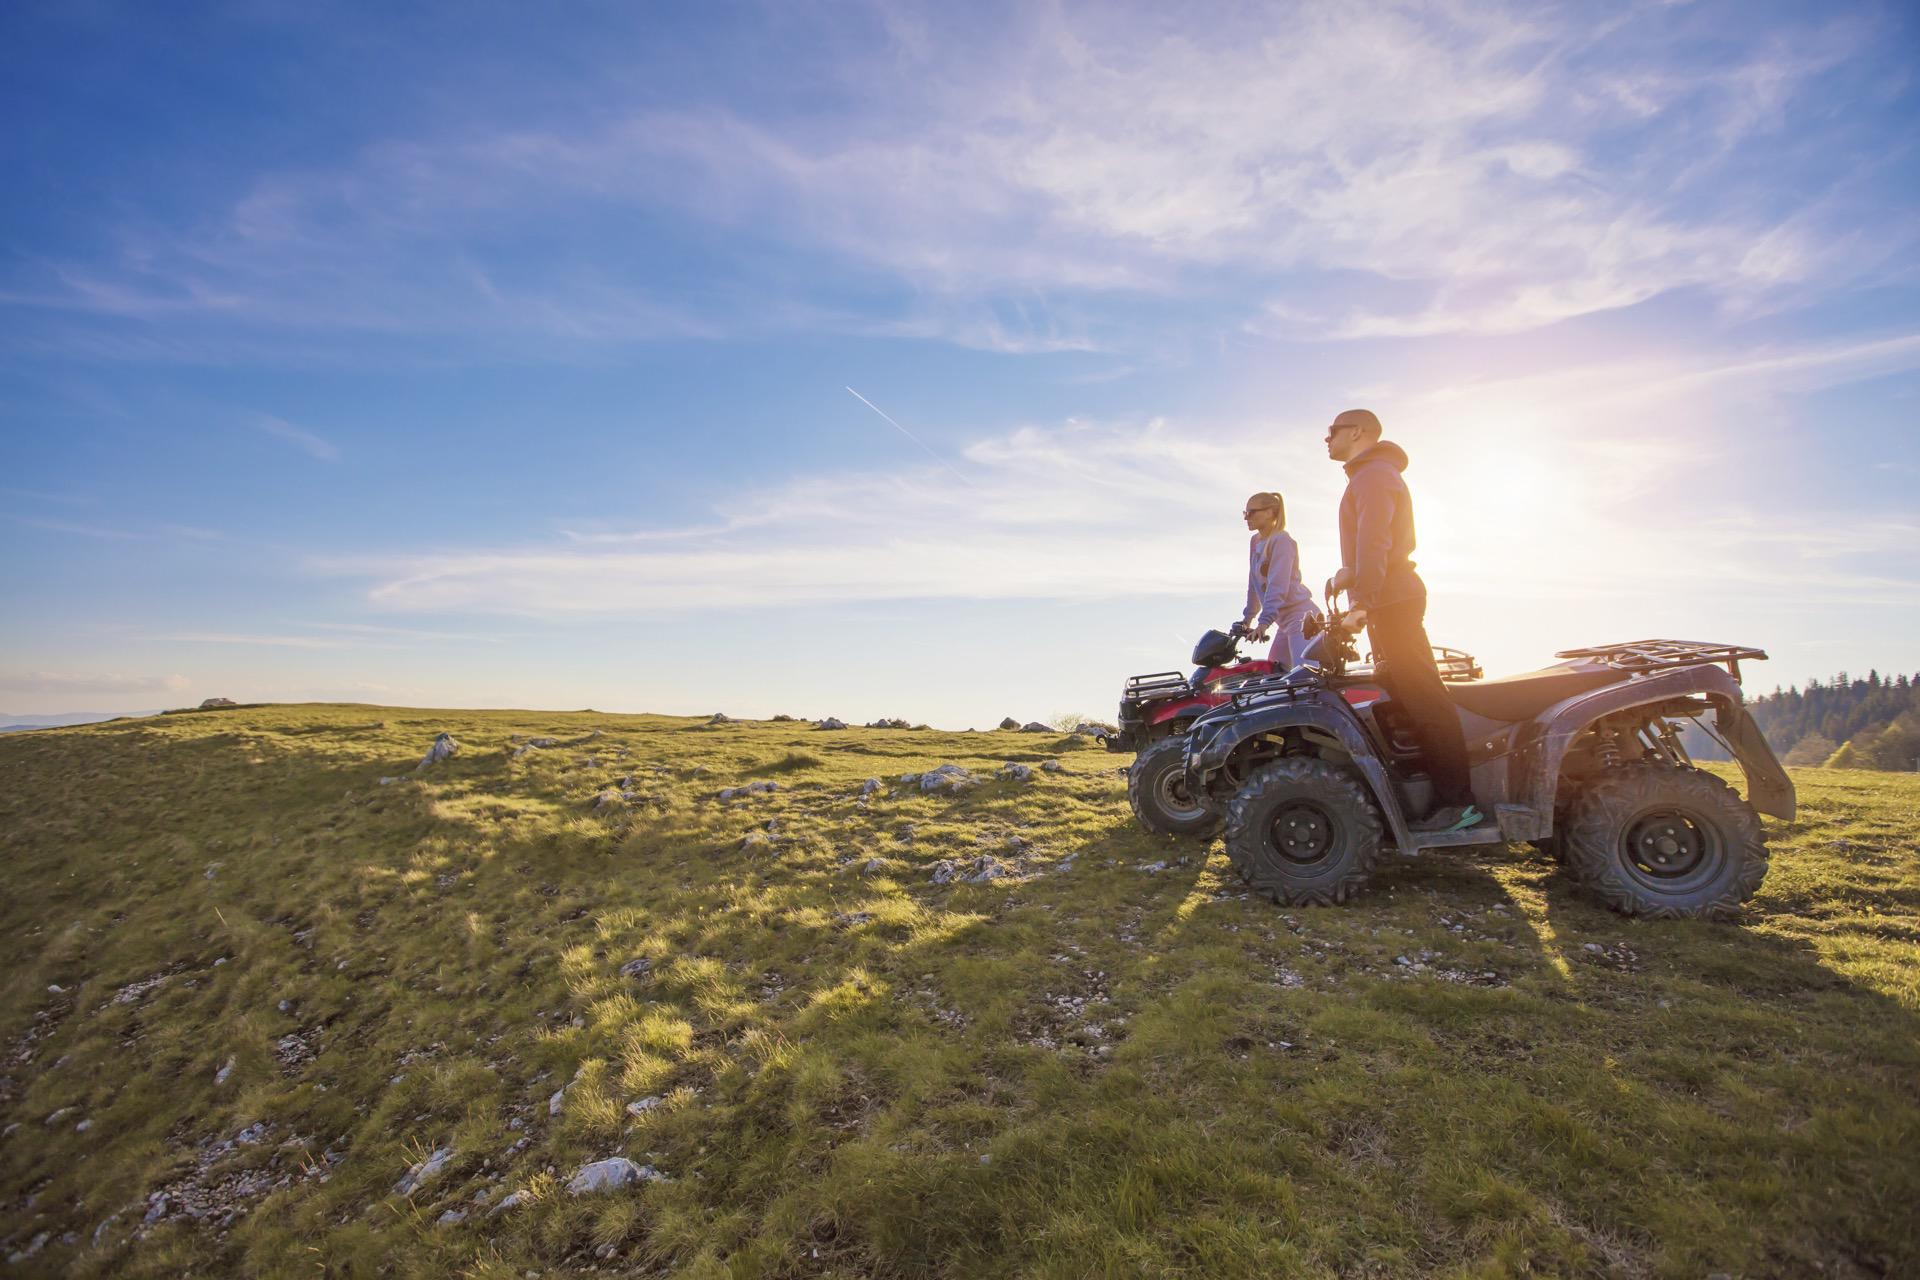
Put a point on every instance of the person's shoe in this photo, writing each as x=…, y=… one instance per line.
x=1452, y=817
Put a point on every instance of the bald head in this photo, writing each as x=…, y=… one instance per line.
x=1351, y=433
x=1361, y=420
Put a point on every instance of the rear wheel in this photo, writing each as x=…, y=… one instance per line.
x=1157, y=790
x=1666, y=843
x=1304, y=832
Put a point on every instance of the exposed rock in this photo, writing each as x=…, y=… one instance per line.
x=908, y=779
x=944, y=871
x=638, y=967
x=83, y=1126
x=889, y=724
x=721, y=717
x=853, y=919
x=1094, y=729
x=1009, y=723
x=755, y=841
x=870, y=786
x=750, y=789
x=213, y=704
x=1034, y=726
x=220, y=1076
x=513, y=1201
x=423, y=1172
x=558, y=1102
x=783, y=719
x=293, y=1051
x=985, y=868
x=874, y=866
x=949, y=778
x=452, y=1217
x=1052, y=766
x=443, y=747
x=610, y=1175
x=609, y=798
x=387, y=780
x=640, y=1106
x=1016, y=772
x=1151, y=868
x=833, y=722
x=134, y=991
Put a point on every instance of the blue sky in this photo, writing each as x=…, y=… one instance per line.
x=499, y=355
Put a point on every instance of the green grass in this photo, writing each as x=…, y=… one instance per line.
x=1081, y=1069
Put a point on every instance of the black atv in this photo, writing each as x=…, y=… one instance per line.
x=1317, y=771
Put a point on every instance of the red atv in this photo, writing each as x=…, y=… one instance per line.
x=1155, y=712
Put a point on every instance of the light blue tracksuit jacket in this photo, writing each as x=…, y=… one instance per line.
x=1274, y=589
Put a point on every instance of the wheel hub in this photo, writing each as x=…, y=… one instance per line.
x=1174, y=797
x=1302, y=832
x=1667, y=844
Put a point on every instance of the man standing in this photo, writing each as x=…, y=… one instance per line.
x=1390, y=600
x=1275, y=594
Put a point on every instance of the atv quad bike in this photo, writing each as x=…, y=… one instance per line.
x=1317, y=772
x=1157, y=709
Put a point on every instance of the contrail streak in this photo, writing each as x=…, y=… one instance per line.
x=909, y=435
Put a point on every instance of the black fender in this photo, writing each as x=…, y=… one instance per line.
x=1209, y=744
x=1542, y=745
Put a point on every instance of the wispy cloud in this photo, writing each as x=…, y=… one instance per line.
x=302, y=439
x=81, y=682
x=1478, y=170
x=1092, y=511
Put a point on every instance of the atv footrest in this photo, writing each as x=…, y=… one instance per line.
x=1452, y=839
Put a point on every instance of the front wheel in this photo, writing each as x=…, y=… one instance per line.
x=1157, y=790
x=1304, y=832
x=1665, y=843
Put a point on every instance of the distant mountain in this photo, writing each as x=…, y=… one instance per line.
x=16, y=724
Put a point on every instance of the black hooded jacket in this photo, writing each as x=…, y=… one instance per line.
x=1376, y=529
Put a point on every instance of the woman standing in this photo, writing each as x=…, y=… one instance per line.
x=1275, y=595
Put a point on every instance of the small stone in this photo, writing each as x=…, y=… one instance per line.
x=56, y=988
x=610, y=1175
x=452, y=1217
x=833, y=723
x=943, y=872
x=870, y=786
x=1015, y=772
x=874, y=866
x=1151, y=868
x=1052, y=766
x=949, y=778
x=443, y=747
x=220, y=1076
x=1034, y=726
x=512, y=1201
x=83, y=1126
x=641, y=1106
x=558, y=1102
x=1009, y=723
x=638, y=967
x=424, y=1171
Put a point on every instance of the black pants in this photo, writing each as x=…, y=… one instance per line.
x=1403, y=659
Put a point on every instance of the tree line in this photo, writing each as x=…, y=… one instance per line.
x=1845, y=722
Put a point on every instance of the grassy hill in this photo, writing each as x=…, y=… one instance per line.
x=248, y=987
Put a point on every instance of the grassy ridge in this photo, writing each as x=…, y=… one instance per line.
x=1077, y=1068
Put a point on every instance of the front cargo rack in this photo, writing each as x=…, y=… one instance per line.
x=1157, y=684
x=1640, y=656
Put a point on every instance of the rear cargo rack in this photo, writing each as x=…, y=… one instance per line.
x=1456, y=666
x=1640, y=656
x=1157, y=684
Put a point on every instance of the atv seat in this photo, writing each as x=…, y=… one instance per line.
x=1521, y=697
